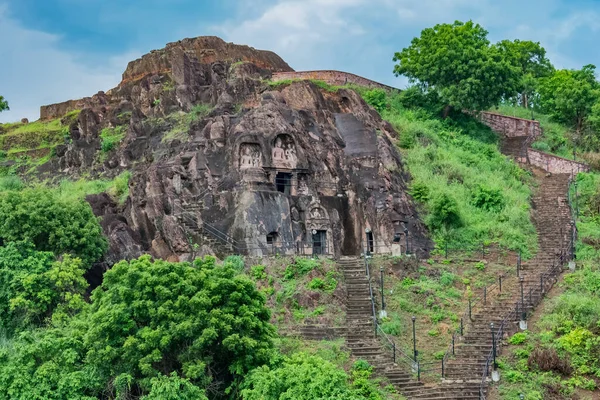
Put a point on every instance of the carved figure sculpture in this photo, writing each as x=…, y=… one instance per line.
x=250, y=156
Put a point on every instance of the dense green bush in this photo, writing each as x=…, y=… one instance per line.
x=488, y=199
x=33, y=286
x=53, y=224
x=152, y=328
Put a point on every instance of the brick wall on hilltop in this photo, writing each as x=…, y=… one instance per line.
x=511, y=126
x=555, y=164
x=337, y=78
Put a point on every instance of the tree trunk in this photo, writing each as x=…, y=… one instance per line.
x=446, y=111
x=525, y=100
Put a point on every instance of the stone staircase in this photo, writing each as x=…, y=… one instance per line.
x=515, y=147
x=552, y=218
x=361, y=338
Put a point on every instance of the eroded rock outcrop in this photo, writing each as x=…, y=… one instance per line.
x=255, y=169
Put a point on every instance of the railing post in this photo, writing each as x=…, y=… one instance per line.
x=461, y=327
x=530, y=297
x=418, y=371
x=519, y=264
x=541, y=285
x=483, y=250
x=453, y=344
x=442, y=367
x=485, y=295
x=470, y=314
x=500, y=282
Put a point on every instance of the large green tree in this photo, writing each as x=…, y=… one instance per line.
x=458, y=62
x=205, y=322
x=569, y=96
x=34, y=285
x=155, y=329
x=41, y=217
x=3, y=104
x=530, y=58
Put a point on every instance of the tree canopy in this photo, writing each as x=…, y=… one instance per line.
x=530, y=58
x=3, y=104
x=569, y=96
x=458, y=62
x=33, y=286
x=41, y=217
x=151, y=329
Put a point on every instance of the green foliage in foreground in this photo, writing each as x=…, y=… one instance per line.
x=305, y=377
x=469, y=191
x=52, y=224
x=34, y=286
x=148, y=320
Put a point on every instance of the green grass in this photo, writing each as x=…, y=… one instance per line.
x=118, y=187
x=110, y=138
x=457, y=160
x=180, y=122
x=436, y=292
x=300, y=290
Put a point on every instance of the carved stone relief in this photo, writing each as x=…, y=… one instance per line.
x=284, y=152
x=250, y=156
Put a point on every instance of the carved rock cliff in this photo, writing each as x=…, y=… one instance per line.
x=223, y=162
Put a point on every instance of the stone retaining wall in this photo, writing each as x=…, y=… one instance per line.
x=337, y=78
x=511, y=126
x=554, y=164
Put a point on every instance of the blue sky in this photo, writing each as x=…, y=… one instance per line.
x=56, y=50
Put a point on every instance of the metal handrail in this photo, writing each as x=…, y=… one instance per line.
x=551, y=272
x=371, y=293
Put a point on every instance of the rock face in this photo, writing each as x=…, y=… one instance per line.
x=223, y=163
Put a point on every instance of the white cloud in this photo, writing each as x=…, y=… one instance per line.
x=35, y=71
x=296, y=28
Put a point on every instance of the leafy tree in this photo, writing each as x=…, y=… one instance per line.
x=299, y=377
x=39, y=216
x=444, y=213
x=3, y=104
x=207, y=323
x=173, y=387
x=33, y=286
x=530, y=58
x=48, y=364
x=457, y=61
x=153, y=330
x=570, y=95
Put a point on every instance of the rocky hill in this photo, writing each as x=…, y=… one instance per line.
x=224, y=160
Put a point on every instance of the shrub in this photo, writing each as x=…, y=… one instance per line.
x=301, y=377
x=549, y=360
x=41, y=217
x=518, y=338
x=447, y=278
x=235, y=262
x=111, y=137
x=376, y=98
x=444, y=212
x=258, y=272
x=488, y=199
x=420, y=192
